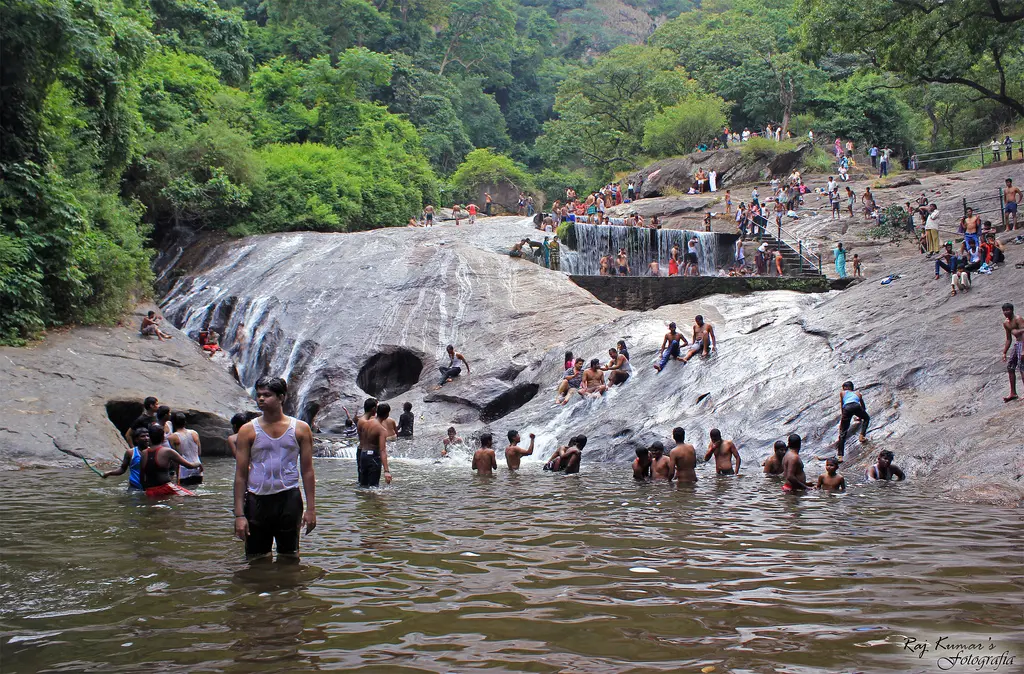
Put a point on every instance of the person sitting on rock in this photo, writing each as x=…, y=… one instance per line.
x=572, y=379
x=452, y=370
x=593, y=380
x=618, y=366
x=151, y=327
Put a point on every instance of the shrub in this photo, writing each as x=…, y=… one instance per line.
x=483, y=167
x=678, y=129
x=819, y=161
x=894, y=224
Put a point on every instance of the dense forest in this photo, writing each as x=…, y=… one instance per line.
x=124, y=119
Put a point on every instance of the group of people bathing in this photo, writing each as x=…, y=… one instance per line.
x=652, y=463
x=164, y=454
x=591, y=383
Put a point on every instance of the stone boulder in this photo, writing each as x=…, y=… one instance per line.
x=733, y=169
x=75, y=393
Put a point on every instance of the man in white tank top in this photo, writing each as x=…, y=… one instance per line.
x=272, y=452
x=186, y=442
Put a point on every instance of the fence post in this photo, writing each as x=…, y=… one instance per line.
x=801, y=245
x=982, y=148
x=1003, y=215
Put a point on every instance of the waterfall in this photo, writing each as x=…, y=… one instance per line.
x=642, y=246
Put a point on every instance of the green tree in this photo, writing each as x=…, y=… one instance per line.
x=603, y=108
x=679, y=128
x=201, y=27
x=975, y=44
x=483, y=167
x=476, y=38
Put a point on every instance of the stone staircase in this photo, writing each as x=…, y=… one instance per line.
x=790, y=257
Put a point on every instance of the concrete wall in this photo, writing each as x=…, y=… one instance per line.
x=642, y=293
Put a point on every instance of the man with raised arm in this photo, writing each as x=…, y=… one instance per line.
x=272, y=452
x=514, y=453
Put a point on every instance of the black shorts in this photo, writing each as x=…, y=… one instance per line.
x=691, y=258
x=369, y=465
x=726, y=471
x=273, y=517
x=189, y=481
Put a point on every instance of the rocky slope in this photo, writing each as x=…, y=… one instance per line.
x=60, y=395
x=323, y=309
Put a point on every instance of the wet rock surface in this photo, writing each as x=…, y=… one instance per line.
x=69, y=394
x=928, y=364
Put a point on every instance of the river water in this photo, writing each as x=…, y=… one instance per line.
x=445, y=572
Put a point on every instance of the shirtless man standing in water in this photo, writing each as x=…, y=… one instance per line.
x=372, y=455
x=683, y=457
x=793, y=475
x=514, y=453
x=1014, y=327
x=773, y=465
x=484, y=460
x=661, y=465
x=723, y=451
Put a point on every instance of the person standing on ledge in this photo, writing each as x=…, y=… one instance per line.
x=487, y=203
x=514, y=453
x=1014, y=327
x=273, y=452
x=851, y=405
x=453, y=370
x=484, y=460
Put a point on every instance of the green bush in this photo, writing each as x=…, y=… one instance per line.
x=819, y=161
x=678, y=129
x=69, y=251
x=483, y=167
x=758, y=148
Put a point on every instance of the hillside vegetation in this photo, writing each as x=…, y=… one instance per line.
x=122, y=120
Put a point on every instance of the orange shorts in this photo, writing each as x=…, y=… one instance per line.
x=169, y=489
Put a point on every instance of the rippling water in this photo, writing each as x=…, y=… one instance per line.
x=530, y=572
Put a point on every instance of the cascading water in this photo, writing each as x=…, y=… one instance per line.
x=642, y=246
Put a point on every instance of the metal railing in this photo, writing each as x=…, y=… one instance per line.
x=978, y=152
x=808, y=260
x=806, y=256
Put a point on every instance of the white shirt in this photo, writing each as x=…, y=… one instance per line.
x=832, y=186
x=933, y=220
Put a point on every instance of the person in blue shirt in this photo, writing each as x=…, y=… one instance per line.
x=132, y=460
x=852, y=405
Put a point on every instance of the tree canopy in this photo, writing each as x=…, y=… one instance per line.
x=125, y=124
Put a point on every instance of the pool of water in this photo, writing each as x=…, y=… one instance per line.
x=445, y=572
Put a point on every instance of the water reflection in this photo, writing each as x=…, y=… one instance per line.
x=525, y=572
